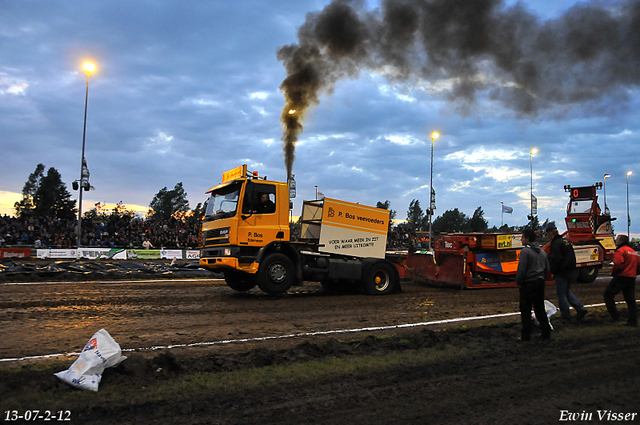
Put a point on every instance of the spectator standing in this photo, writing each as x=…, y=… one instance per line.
x=533, y=266
x=624, y=271
x=147, y=244
x=562, y=261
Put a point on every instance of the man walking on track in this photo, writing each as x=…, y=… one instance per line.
x=562, y=260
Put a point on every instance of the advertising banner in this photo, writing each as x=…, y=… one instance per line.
x=102, y=253
x=171, y=253
x=56, y=253
x=192, y=255
x=143, y=254
x=15, y=252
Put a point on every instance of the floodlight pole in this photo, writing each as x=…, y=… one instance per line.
x=434, y=136
x=84, y=134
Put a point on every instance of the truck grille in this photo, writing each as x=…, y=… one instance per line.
x=224, y=241
x=216, y=236
x=217, y=233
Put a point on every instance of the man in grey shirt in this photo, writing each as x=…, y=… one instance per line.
x=533, y=266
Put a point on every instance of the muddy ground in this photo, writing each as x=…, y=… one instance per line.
x=503, y=381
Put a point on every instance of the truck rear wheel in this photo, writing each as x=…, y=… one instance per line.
x=380, y=279
x=239, y=281
x=588, y=274
x=276, y=274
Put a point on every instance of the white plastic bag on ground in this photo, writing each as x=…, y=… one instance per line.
x=551, y=310
x=101, y=352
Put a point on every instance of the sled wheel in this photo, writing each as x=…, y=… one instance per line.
x=379, y=279
x=239, y=281
x=588, y=274
x=275, y=275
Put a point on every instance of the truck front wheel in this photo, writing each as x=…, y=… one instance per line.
x=239, y=281
x=276, y=274
x=380, y=280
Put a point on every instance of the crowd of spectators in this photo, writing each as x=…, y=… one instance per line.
x=108, y=232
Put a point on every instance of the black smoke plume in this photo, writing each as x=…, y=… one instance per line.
x=472, y=47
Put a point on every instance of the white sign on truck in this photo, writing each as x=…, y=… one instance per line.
x=353, y=229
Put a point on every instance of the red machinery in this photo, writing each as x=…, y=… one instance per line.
x=589, y=230
x=468, y=260
x=490, y=260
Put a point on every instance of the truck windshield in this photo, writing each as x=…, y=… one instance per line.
x=223, y=202
x=581, y=207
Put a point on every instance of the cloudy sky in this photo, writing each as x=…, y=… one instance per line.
x=184, y=91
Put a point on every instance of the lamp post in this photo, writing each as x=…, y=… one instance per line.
x=628, y=218
x=606, y=209
x=432, y=200
x=89, y=68
x=531, y=153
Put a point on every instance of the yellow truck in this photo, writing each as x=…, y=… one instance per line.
x=246, y=235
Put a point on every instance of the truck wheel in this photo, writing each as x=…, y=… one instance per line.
x=275, y=275
x=380, y=279
x=588, y=274
x=239, y=281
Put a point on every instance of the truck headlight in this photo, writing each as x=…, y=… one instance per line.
x=227, y=252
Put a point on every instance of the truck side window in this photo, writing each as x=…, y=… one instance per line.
x=259, y=199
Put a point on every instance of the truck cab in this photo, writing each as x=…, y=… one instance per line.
x=243, y=214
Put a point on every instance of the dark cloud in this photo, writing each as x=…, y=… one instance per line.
x=479, y=46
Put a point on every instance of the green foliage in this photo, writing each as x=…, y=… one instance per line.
x=451, y=221
x=505, y=228
x=196, y=215
x=45, y=196
x=477, y=222
x=415, y=215
x=534, y=224
x=167, y=203
x=120, y=214
x=386, y=205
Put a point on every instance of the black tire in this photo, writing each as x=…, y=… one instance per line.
x=239, y=281
x=276, y=274
x=380, y=279
x=588, y=274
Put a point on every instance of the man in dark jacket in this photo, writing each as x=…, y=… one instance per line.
x=562, y=260
x=624, y=271
x=533, y=266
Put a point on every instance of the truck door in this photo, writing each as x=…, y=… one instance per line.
x=260, y=221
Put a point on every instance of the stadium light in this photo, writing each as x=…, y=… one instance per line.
x=89, y=68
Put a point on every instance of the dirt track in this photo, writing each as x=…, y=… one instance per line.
x=503, y=382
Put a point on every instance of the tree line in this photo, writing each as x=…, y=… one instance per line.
x=46, y=196
x=453, y=221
